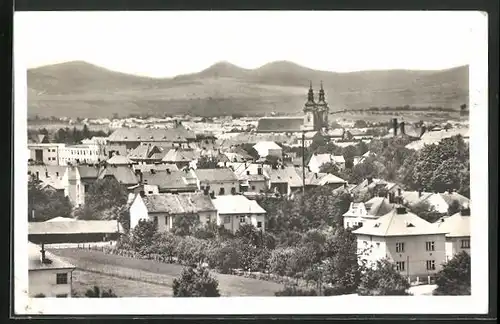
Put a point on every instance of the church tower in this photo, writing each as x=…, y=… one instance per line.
x=310, y=113
x=323, y=109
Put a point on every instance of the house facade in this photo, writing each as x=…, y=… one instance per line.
x=45, y=153
x=414, y=245
x=234, y=211
x=221, y=181
x=48, y=275
x=359, y=213
x=457, y=227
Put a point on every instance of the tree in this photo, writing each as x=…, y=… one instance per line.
x=207, y=162
x=97, y=293
x=454, y=207
x=185, y=224
x=454, y=278
x=44, y=204
x=360, y=124
x=424, y=210
x=195, y=283
x=382, y=280
x=249, y=235
x=448, y=175
x=142, y=234
x=330, y=167
x=105, y=199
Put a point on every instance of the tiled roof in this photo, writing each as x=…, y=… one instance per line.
x=122, y=174
x=74, y=227
x=253, y=138
x=35, y=260
x=287, y=174
x=179, y=134
x=413, y=197
x=268, y=145
x=211, y=175
x=88, y=171
x=183, y=203
x=378, y=206
x=236, y=204
x=280, y=124
x=179, y=155
x=119, y=160
x=320, y=179
x=156, y=167
x=450, y=197
x=146, y=151
x=456, y=225
x=394, y=224
x=169, y=181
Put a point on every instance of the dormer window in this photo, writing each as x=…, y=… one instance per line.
x=408, y=224
x=376, y=225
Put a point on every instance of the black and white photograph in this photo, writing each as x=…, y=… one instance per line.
x=276, y=161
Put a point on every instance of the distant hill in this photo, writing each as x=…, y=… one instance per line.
x=80, y=89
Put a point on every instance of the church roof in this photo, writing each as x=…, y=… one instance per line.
x=280, y=124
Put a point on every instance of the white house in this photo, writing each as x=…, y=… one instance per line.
x=268, y=148
x=236, y=210
x=163, y=208
x=48, y=275
x=416, y=246
x=91, y=153
x=443, y=200
x=221, y=181
x=457, y=227
x=359, y=213
x=46, y=153
x=318, y=160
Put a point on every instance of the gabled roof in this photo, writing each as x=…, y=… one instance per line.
x=456, y=225
x=413, y=197
x=119, y=160
x=35, y=259
x=286, y=174
x=320, y=179
x=280, y=124
x=88, y=172
x=178, y=134
x=394, y=224
x=145, y=151
x=182, y=203
x=122, y=174
x=378, y=206
x=156, y=167
x=214, y=175
x=74, y=227
x=236, y=204
x=169, y=181
x=179, y=155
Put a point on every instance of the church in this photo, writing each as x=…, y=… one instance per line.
x=315, y=117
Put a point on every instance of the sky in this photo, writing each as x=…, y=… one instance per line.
x=165, y=44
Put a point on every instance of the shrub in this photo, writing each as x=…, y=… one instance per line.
x=454, y=278
x=295, y=291
x=195, y=282
x=382, y=280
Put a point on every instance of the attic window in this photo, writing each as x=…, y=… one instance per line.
x=377, y=225
x=408, y=224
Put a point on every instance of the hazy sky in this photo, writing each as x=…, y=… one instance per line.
x=164, y=44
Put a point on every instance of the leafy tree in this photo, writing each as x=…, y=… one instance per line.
x=97, y=293
x=195, y=283
x=447, y=175
x=207, y=162
x=360, y=124
x=105, y=199
x=142, y=234
x=454, y=207
x=279, y=260
x=224, y=257
x=454, y=278
x=382, y=280
x=185, y=224
x=45, y=204
x=330, y=167
x=249, y=235
x=426, y=211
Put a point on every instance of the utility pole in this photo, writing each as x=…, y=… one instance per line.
x=303, y=164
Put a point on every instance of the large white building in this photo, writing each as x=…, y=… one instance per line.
x=457, y=228
x=415, y=246
x=91, y=153
x=48, y=275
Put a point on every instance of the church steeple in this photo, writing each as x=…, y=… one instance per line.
x=321, y=98
x=310, y=104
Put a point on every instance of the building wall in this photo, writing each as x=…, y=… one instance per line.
x=255, y=219
x=137, y=211
x=216, y=186
x=44, y=282
x=88, y=153
x=414, y=255
x=257, y=186
x=50, y=153
x=454, y=246
x=235, y=221
x=74, y=189
x=439, y=204
x=208, y=216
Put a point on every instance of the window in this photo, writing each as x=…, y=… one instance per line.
x=431, y=265
x=62, y=278
x=221, y=191
x=61, y=295
x=259, y=224
x=400, y=265
x=166, y=220
x=348, y=224
x=253, y=187
x=465, y=244
x=242, y=219
x=155, y=221
x=429, y=246
x=378, y=244
x=400, y=247
x=150, y=192
x=227, y=219
x=233, y=190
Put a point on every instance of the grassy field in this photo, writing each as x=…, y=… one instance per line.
x=83, y=280
x=148, y=272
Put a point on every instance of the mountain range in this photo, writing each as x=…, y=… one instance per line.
x=81, y=89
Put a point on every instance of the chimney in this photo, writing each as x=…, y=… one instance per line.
x=399, y=192
x=248, y=172
x=400, y=210
x=142, y=193
x=43, y=258
x=370, y=180
x=153, y=171
x=168, y=171
x=395, y=126
x=402, y=128
x=419, y=193
x=212, y=195
x=283, y=167
x=316, y=175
